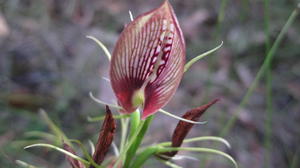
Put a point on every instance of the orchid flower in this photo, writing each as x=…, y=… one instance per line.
x=146, y=68
x=148, y=61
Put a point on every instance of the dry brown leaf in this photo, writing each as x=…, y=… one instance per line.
x=105, y=137
x=183, y=128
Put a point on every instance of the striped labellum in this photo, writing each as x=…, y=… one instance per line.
x=148, y=61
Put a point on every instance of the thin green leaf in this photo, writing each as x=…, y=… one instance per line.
x=59, y=150
x=203, y=138
x=101, y=45
x=101, y=118
x=103, y=103
x=144, y=156
x=197, y=58
x=180, y=118
x=182, y=157
x=295, y=159
x=40, y=134
x=92, y=146
x=204, y=150
x=24, y=164
x=55, y=129
x=170, y=164
x=21, y=143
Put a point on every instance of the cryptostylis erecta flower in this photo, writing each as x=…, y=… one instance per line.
x=146, y=68
x=148, y=61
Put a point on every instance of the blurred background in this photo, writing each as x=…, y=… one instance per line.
x=47, y=62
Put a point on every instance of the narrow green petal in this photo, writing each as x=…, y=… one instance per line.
x=103, y=47
x=180, y=118
x=197, y=58
x=203, y=138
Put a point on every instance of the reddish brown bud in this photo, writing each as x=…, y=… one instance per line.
x=183, y=128
x=106, y=136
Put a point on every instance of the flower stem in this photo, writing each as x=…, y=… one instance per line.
x=137, y=139
x=134, y=122
x=144, y=156
x=123, y=152
x=124, y=128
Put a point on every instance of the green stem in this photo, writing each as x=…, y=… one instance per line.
x=261, y=72
x=269, y=110
x=144, y=156
x=55, y=129
x=124, y=128
x=137, y=141
x=128, y=145
x=222, y=10
x=134, y=122
x=203, y=138
x=268, y=120
x=266, y=24
x=295, y=160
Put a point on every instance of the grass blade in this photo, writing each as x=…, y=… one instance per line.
x=261, y=71
x=24, y=164
x=54, y=128
x=59, y=150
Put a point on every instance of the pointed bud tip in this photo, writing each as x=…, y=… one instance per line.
x=214, y=101
x=107, y=109
x=206, y=106
x=167, y=6
x=166, y=3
